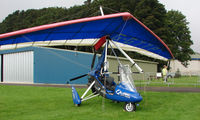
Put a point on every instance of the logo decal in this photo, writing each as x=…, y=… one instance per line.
x=124, y=94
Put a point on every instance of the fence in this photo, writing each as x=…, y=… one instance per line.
x=151, y=79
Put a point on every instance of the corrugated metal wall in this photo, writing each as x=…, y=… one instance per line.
x=18, y=67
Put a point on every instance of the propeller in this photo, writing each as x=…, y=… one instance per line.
x=92, y=65
x=78, y=77
x=96, y=47
x=93, y=60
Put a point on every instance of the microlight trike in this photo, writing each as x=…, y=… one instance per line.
x=101, y=83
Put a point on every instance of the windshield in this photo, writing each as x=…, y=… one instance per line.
x=126, y=77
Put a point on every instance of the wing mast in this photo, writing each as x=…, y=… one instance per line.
x=106, y=49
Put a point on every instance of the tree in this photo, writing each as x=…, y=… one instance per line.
x=87, y=2
x=152, y=14
x=179, y=39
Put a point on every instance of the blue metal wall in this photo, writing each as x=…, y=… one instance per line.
x=58, y=66
x=55, y=66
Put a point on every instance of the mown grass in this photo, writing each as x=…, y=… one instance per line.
x=48, y=103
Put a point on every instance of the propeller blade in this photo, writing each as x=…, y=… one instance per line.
x=78, y=77
x=93, y=60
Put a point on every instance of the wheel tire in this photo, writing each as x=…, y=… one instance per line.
x=77, y=105
x=169, y=76
x=115, y=101
x=130, y=107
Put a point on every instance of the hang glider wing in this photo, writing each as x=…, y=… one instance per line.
x=124, y=29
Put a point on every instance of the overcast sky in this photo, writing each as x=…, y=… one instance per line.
x=190, y=8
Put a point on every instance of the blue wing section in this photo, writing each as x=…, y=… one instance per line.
x=122, y=28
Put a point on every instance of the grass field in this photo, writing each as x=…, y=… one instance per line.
x=48, y=103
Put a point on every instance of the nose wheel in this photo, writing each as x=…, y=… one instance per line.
x=130, y=107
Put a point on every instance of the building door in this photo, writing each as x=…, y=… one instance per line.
x=18, y=67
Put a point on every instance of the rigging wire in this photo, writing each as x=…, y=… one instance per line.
x=111, y=9
x=122, y=29
x=115, y=54
x=69, y=60
x=65, y=58
x=80, y=12
x=95, y=13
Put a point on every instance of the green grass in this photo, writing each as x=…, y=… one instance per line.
x=48, y=103
x=184, y=81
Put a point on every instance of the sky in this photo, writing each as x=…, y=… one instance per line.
x=190, y=8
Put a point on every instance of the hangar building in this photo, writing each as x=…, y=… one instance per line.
x=53, y=66
x=43, y=65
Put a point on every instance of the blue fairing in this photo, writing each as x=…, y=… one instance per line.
x=121, y=94
x=75, y=96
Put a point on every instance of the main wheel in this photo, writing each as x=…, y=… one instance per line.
x=130, y=107
x=169, y=76
x=115, y=101
x=77, y=105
